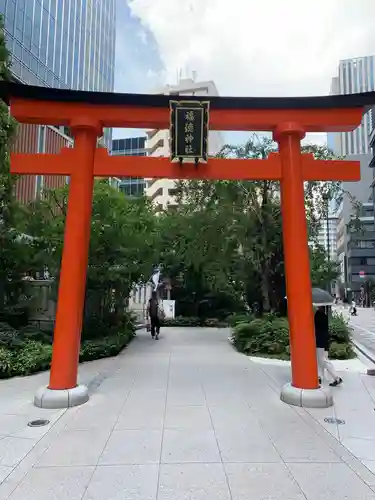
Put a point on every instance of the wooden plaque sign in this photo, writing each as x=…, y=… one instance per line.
x=189, y=131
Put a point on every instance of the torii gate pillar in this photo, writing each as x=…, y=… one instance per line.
x=303, y=390
x=63, y=390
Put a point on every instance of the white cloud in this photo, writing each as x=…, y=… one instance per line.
x=268, y=47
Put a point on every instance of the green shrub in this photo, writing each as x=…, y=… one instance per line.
x=235, y=319
x=341, y=351
x=32, y=357
x=269, y=336
x=32, y=333
x=5, y=362
x=182, y=321
x=7, y=334
x=339, y=328
x=97, y=327
x=192, y=321
x=263, y=336
x=106, y=346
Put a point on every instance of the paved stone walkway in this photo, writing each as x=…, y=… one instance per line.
x=184, y=418
x=364, y=330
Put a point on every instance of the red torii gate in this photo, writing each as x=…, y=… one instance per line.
x=86, y=113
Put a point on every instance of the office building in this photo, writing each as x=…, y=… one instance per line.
x=130, y=146
x=62, y=44
x=326, y=237
x=359, y=265
x=161, y=191
x=39, y=139
x=356, y=229
x=354, y=76
x=372, y=145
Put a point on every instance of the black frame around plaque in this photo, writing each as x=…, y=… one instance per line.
x=178, y=107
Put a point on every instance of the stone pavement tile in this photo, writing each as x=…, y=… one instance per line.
x=151, y=382
x=320, y=481
x=58, y=483
x=13, y=450
x=181, y=446
x=364, y=449
x=127, y=482
x=75, y=448
x=222, y=398
x=359, y=422
x=16, y=425
x=132, y=447
x=302, y=446
x=320, y=414
x=147, y=398
x=4, y=472
x=233, y=417
x=189, y=397
x=262, y=482
x=246, y=445
x=370, y=464
x=193, y=482
x=369, y=383
x=341, y=451
x=92, y=416
x=196, y=418
x=140, y=418
x=111, y=385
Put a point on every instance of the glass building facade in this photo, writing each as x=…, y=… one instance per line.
x=62, y=43
x=354, y=76
x=130, y=146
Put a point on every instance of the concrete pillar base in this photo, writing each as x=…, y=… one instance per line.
x=307, y=398
x=56, y=399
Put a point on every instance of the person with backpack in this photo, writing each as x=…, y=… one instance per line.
x=155, y=315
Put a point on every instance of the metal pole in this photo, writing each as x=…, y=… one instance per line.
x=327, y=231
x=327, y=223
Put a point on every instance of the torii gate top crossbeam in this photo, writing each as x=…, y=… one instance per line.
x=316, y=114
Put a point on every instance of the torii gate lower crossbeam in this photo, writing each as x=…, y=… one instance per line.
x=290, y=123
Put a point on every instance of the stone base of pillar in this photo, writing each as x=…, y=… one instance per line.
x=307, y=398
x=56, y=399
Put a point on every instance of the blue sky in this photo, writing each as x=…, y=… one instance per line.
x=137, y=56
x=137, y=59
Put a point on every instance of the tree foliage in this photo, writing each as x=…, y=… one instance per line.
x=122, y=245
x=14, y=256
x=228, y=234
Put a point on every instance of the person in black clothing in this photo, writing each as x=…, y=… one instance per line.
x=322, y=347
x=153, y=314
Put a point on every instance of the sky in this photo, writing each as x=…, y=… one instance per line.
x=248, y=48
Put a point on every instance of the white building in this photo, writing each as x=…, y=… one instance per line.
x=161, y=191
x=354, y=76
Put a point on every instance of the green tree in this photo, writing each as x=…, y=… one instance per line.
x=122, y=246
x=323, y=271
x=13, y=252
x=232, y=231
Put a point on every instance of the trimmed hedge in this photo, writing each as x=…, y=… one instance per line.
x=22, y=354
x=186, y=321
x=269, y=337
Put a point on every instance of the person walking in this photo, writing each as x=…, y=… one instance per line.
x=322, y=347
x=154, y=315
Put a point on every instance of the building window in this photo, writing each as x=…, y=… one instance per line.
x=364, y=244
